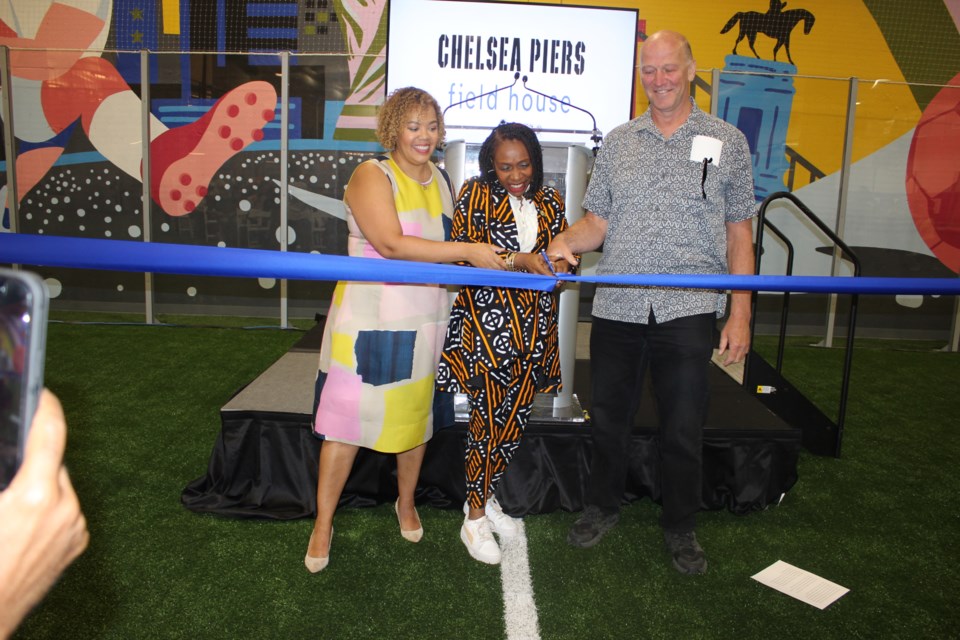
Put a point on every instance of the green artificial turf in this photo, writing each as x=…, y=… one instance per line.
x=143, y=411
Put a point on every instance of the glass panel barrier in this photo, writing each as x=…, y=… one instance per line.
x=902, y=214
x=224, y=187
x=215, y=171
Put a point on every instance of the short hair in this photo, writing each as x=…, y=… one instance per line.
x=687, y=48
x=675, y=35
x=512, y=131
x=390, y=116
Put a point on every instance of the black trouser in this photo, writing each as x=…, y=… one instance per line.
x=678, y=355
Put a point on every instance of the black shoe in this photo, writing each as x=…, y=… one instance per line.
x=688, y=556
x=591, y=526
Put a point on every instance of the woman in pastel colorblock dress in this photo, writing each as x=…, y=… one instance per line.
x=382, y=341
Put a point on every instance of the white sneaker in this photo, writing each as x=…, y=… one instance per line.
x=479, y=540
x=502, y=524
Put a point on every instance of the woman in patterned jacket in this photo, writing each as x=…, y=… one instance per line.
x=501, y=344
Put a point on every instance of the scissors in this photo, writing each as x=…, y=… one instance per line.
x=543, y=253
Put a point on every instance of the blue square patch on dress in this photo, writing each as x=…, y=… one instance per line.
x=384, y=356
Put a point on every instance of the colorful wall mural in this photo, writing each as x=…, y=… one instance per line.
x=213, y=77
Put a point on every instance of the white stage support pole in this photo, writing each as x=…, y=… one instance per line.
x=845, y=165
x=284, y=182
x=578, y=159
x=954, y=328
x=9, y=142
x=454, y=161
x=715, y=92
x=146, y=200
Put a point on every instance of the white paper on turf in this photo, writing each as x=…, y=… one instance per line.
x=802, y=585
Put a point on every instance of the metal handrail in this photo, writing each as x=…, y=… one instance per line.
x=784, y=311
x=854, y=298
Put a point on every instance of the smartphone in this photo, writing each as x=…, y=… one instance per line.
x=23, y=337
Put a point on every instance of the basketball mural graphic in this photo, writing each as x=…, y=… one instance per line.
x=933, y=175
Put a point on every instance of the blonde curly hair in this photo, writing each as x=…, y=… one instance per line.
x=392, y=114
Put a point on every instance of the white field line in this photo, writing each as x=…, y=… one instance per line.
x=519, y=608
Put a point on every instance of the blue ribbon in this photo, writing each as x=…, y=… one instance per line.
x=158, y=257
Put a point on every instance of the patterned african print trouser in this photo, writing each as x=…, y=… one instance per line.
x=499, y=411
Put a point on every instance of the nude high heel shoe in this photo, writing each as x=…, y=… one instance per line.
x=317, y=564
x=414, y=535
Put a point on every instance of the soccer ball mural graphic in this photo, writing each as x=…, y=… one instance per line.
x=933, y=175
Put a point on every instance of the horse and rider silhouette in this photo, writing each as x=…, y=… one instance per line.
x=775, y=23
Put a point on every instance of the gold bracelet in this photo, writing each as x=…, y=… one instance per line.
x=511, y=256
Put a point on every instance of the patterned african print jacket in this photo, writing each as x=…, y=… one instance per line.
x=501, y=330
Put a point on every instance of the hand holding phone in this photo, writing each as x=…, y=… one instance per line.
x=23, y=330
x=42, y=529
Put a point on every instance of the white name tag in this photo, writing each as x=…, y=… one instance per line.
x=706, y=148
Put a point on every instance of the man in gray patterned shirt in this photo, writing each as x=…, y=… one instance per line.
x=671, y=193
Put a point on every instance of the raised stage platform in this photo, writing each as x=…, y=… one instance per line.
x=264, y=462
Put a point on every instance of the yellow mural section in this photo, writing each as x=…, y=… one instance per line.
x=845, y=42
x=171, y=17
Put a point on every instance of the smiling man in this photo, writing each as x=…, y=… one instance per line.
x=671, y=192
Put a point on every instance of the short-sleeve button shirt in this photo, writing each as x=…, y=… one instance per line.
x=648, y=190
